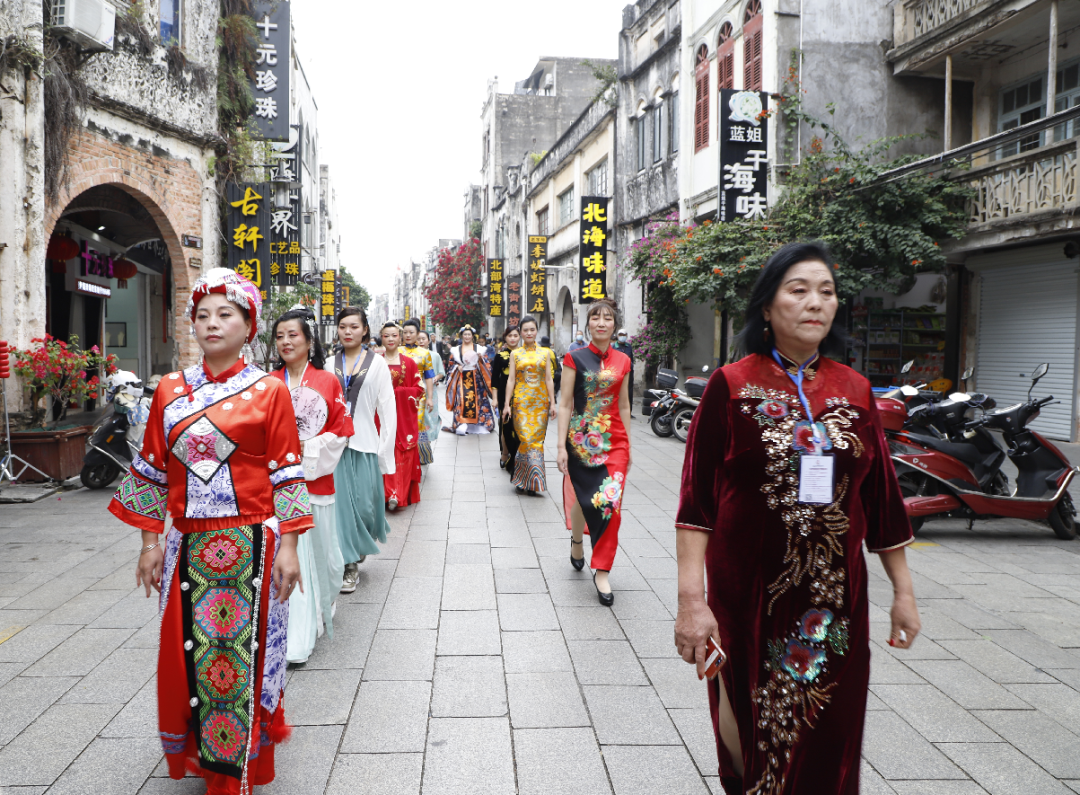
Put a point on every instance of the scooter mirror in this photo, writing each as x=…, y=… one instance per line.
x=907, y=366
x=959, y=397
x=1040, y=371
x=967, y=374
x=909, y=390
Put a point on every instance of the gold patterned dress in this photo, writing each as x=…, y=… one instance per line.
x=530, y=403
x=424, y=363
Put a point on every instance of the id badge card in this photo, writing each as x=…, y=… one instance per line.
x=348, y=408
x=816, y=479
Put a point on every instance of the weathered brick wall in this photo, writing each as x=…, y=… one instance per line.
x=169, y=189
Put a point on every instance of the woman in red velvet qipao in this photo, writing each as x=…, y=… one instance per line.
x=222, y=456
x=594, y=457
x=403, y=487
x=786, y=475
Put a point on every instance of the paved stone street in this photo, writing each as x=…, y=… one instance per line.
x=474, y=659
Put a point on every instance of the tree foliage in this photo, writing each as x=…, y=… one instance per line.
x=358, y=294
x=457, y=280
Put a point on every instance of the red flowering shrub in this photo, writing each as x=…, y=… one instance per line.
x=457, y=280
x=57, y=368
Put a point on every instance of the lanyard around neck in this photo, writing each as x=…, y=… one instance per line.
x=797, y=379
x=287, y=385
x=347, y=376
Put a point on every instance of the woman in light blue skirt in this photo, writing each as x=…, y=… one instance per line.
x=360, y=508
x=434, y=418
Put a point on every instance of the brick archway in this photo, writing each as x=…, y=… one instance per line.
x=171, y=192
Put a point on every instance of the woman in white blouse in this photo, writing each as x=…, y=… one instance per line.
x=365, y=382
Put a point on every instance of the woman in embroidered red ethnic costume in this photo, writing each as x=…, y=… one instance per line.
x=787, y=581
x=403, y=487
x=594, y=413
x=222, y=455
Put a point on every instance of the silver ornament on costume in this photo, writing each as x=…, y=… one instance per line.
x=311, y=412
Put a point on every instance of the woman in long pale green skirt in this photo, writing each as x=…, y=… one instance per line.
x=360, y=505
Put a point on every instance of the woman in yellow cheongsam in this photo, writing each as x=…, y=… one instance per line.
x=530, y=398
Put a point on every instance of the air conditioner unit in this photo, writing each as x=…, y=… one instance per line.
x=91, y=23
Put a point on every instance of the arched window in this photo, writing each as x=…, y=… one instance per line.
x=752, y=21
x=701, y=99
x=725, y=57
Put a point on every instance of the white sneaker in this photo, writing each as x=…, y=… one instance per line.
x=392, y=504
x=352, y=577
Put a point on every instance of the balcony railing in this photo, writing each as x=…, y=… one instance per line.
x=915, y=19
x=1022, y=185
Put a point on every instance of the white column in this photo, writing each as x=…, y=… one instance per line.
x=1051, y=67
x=948, y=102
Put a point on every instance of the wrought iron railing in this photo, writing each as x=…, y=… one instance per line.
x=1031, y=182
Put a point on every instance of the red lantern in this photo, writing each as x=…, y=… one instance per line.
x=5, y=361
x=124, y=269
x=62, y=248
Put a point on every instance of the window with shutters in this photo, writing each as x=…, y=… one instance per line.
x=673, y=122
x=701, y=99
x=640, y=131
x=598, y=179
x=725, y=57
x=566, y=206
x=542, y=225
x=752, y=36
x=658, y=132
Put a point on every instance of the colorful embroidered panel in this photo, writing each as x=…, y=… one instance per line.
x=141, y=497
x=203, y=449
x=220, y=582
x=292, y=501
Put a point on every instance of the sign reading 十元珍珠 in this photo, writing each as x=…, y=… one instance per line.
x=285, y=219
x=537, y=281
x=593, y=249
x=744, y=146
x=496, y=308
x=249, y=231
x=273, y=58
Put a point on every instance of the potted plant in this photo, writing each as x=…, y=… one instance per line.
x=57, y=369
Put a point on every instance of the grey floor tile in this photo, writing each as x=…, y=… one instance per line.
x=579, y=592
x=469, y=632
x=1002, y=770
x=1033, y=649
x=550, y=700
x=131, y=612
x=468, y=587
x=65, y=730
x=535, y=652
x=526, y=612
x=931, y=713
x=651, y=638
x=33, y=642
x=23, y=699
x=468, y=687
x=520, y=581
x=695, y=727
x=594, y=622
x=605, y=662
x=514, y=558
x=476, y=554
x=629, y=716
x=110, y=767
x=653, y=769
x=354, y=630
x=87, y=606
x=887, y=670
x=1036, y=735
x=321, y=698
x=388, y=717
x=676, y=683
x=401, y=654
x=886, y=732
x=116, y=680
x=559, y=762
x=936, y=788
x=413, y=603
x=966, y=686
x=374, y=584
x=638, y=604
x=468, y=756
x=376, y=774
x=137, y=718
x=993, y=661
x=303, y=764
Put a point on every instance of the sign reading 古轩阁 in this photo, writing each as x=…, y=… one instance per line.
x=249, y=231
x=495, y=288
x=592, y=249
x=537, y=281
x=273, y=58
x=744, y=147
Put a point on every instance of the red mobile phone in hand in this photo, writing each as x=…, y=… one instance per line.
x=715, y=658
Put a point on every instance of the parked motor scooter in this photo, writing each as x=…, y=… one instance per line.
x=954, y=467
x=117, y=436
x=686, y=404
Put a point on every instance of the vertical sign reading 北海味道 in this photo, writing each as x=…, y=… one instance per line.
x=495, y=288
x=273, y=59
x=537, y=282
x=249, y=221
x=592, y=249
x=744, y=147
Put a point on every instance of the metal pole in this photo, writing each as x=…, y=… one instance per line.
x=1051, y=68
x=948, y=102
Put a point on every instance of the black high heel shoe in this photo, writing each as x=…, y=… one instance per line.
x=606, y=599
x=577, y=563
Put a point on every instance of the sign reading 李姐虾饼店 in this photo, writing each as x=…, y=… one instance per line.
x=744, y=147
x=536, y=293
x=592, y=249
x=271, y=75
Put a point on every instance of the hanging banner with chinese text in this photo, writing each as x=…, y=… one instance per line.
x=592, y=249
x=495, y=288
x=537, y=302
x=513, y=301
x=285, y=219
x=744, y=146
x=248, y=231
x=273, y=57
x=328, y=298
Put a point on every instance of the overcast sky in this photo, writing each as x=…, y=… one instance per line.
x=400, y=86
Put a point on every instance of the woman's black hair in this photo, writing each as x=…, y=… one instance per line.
x=528, y=319
x=752, y=338
x=508, y=330
x=412, y=321
x=348, y=311
x=305, y=316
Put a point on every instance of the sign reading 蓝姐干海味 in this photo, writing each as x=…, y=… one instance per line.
x=744, y=146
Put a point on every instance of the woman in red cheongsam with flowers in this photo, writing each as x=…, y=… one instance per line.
x=594, y=414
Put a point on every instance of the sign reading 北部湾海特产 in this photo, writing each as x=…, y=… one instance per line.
x=249, y=230
x=536, y=284
x=593, y=249
x=496, y=308
x=744, y=146
x=270, y=78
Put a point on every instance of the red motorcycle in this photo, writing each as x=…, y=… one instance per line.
x=949, y=466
